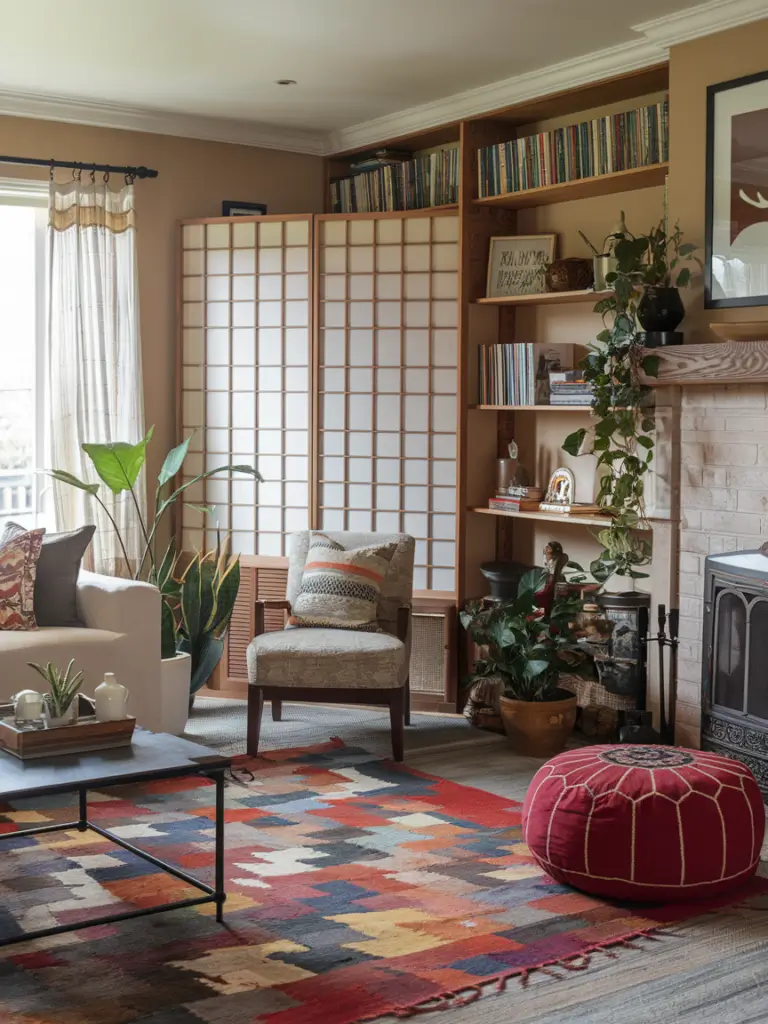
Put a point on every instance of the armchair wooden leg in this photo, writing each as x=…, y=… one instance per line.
x=255, y=711
x=407, y=701
x=396, y=720
x=277, y=710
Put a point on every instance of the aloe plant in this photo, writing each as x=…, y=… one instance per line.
x=118, y=465
x=208, y=591
x=64, y=687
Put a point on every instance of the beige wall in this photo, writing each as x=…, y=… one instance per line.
x=692, y=67
x=194, y=178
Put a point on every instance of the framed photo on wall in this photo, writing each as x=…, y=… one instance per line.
x=516, y=264
x=736, y=243
x=230, y=208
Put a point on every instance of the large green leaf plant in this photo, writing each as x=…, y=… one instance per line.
x=118, y=466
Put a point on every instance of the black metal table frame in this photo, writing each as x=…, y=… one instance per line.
x=213, y=894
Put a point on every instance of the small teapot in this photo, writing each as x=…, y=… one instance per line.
x=28, y=706
x=111, y=699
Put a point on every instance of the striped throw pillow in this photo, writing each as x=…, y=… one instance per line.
x=340, y=588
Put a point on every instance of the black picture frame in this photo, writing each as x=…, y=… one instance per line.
x=712, y=143
x=231, y=208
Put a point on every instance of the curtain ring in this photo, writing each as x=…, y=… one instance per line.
x=51, y=170
x=77, y=173
x=105, y=177
x=130, y=178
x=93, y=175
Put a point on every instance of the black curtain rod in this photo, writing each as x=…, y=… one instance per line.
x=76, y=165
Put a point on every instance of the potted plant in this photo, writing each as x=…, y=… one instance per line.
x=118, y=465
x=527, y=650
x=60, y=704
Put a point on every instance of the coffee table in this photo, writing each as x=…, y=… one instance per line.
x=151, y=756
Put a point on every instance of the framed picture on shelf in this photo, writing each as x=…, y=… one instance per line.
x=516, y=264
x=229, y=208
x=736, y=243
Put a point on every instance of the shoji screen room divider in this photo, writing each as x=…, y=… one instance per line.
x=325, y=351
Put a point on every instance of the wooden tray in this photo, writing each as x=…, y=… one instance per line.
x=88, y=733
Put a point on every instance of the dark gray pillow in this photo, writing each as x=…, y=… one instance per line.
x=57, y=570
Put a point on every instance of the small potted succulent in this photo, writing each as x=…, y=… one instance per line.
x=527, y=650
x=61, y=702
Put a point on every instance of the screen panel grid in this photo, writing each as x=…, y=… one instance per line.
x=246, y=357
x=388, y=383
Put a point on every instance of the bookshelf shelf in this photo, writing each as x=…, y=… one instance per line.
x=580, y=188
x=545, y=298
x=534, y=408
x=549, y=517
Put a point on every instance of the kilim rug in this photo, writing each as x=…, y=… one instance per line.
x=356, y=888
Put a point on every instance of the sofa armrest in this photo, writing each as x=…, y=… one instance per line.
x=120, y=606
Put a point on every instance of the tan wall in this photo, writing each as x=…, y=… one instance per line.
x=692, y=67
x=194, y=178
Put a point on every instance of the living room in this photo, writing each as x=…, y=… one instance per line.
x=383, y=468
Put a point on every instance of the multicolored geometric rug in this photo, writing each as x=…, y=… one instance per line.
x=356, y=888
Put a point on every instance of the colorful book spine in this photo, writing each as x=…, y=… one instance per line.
x=507, y=374
x=425, y=181
x=619, y=142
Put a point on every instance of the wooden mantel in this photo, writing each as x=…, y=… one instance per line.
x=730, y=362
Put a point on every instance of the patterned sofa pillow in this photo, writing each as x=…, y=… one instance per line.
x=18, y=567
x=340, y=588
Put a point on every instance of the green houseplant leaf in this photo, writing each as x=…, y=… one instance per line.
x=174, y=460
x=119, y=463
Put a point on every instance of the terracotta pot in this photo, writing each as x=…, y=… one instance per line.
x=539, y=728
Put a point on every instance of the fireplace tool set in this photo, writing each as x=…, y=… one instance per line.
x=639, y=727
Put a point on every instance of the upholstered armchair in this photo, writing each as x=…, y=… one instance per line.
x=337, y=666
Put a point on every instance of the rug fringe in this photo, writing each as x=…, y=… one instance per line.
x=581, y=961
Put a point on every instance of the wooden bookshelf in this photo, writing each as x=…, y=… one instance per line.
x=580, y=188
x=534, y=408
x=545, y=298
x=553, y=517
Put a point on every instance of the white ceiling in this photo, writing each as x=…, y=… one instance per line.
x=355, y=61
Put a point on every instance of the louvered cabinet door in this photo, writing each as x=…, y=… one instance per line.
x=245, y=363
x=387, y=406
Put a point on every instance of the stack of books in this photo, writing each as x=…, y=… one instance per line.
x=390, y=182
x=528, y=502
x=507, y=374
x=568, y=387
x=619, y=142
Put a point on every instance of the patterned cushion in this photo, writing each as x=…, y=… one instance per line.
x=326, y=657
x=339, y=587
x=645, y=823
x=18, y=566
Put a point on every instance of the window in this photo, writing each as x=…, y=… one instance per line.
x=24, y=493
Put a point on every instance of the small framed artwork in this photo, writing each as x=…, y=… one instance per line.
x=229, y=208
x=736, y=243
x=516, y=264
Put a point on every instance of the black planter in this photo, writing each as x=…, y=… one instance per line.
x=659, y=339
x=503, y=578
x=660, y=309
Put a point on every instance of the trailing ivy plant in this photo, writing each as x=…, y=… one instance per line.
x=622, y=436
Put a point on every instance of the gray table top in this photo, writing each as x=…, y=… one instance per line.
x=150, y=756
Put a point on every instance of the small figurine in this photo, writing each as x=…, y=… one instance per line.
x=555, y=560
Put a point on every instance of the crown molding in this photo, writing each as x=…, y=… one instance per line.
x=136, y=119
x=704, y=20
x=568, y=74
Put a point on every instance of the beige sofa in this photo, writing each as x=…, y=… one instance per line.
x=121, y=635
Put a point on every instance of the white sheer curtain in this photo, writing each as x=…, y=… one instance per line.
x=94, y=354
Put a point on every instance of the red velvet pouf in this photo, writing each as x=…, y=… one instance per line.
x=645, y=823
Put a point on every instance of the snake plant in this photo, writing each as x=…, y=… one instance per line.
x=64, y=686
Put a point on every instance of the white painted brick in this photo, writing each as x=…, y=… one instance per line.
x=747, y=478
x=714, y=476
x=687, y=650
x=690, y=562
x=691, y=584
x=690, y=629
x=692, y=476
x=696, y=543
x=749, y=543
x=743, y=453
x=747, y=424
x=739, y=523
x=753, y=501
x=719, y=544
x=691, y=454
x=688, y=690
x=689, y=712
x=687, y=734
x=762, y=455
x=710, y=497
x=691, y=519
x=691, y=607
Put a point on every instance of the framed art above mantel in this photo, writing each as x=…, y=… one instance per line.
x=736, y=254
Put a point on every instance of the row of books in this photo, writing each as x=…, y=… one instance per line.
x=507, y=374
x=618, y=142
x=430, y=180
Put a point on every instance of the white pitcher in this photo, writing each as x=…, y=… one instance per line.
x=111, y=699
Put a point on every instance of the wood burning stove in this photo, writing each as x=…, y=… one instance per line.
x=735, y=659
